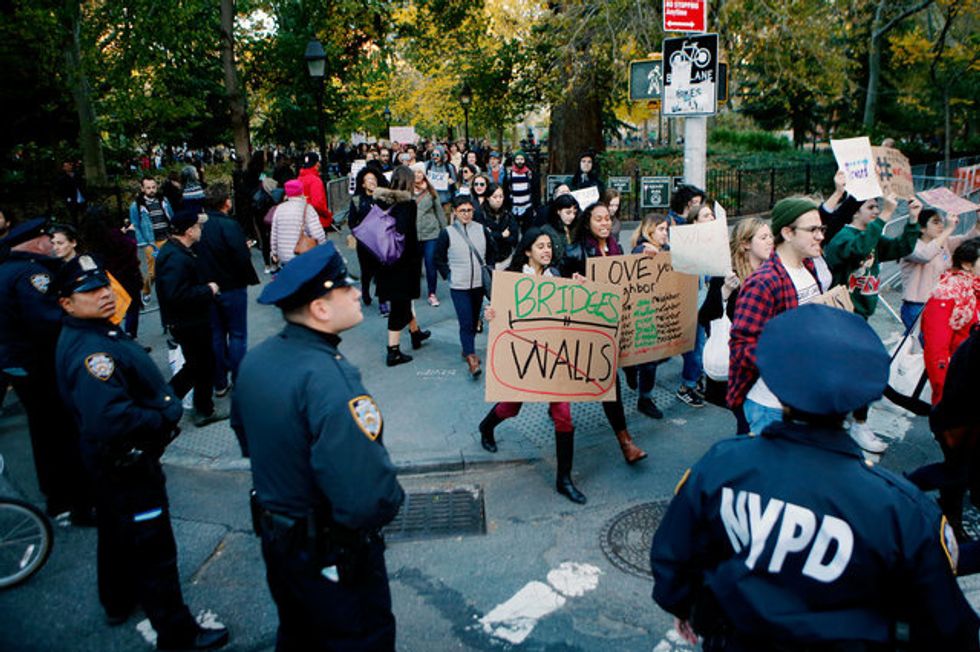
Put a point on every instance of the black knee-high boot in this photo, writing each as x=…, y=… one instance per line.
x=565, y=449
x=489, y=422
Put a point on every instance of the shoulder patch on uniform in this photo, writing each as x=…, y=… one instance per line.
x=366, y=415
x=100, y=365
x=41, y=281
x=687, y=474
x=948, y=540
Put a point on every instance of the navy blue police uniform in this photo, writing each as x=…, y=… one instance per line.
x=323, y=482
x=126, y=414
x=791, y=540
x=30, y=320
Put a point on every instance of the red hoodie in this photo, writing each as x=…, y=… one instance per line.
x=315, y=194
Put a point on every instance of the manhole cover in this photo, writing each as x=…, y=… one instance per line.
x=439, y=513
x=626, y=538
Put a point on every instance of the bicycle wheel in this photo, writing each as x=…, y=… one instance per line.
x=25, y=541
x=702, y=56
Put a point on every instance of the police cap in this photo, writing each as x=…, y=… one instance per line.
x=21, y=233
x=822, y=360
x=80, y=274
x=307, y=277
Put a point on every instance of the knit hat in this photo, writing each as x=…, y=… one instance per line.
x=294, y=188
x=520, y=152
x=787, y=210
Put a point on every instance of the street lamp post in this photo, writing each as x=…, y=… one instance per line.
x=465, y=98
x=316, y=63
x=387, y=114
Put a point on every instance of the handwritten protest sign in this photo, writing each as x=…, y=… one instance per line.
x=355, y=167
x=894, y=172
x=701, y=248
x=659, y=309
x=585, y=196
x=552, y=339
x=945, y=200
x=439, y=180
x=402, y=135
x=838, y=297
x=855, y=157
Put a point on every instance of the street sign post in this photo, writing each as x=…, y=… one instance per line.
x=685, y=15
x=690, y=75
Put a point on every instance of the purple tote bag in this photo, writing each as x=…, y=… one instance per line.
x=377, y=232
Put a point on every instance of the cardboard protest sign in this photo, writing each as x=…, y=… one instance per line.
x=659, y=309
x=701, y=249
x=552, y=339
x=894, y=172
x=439, y=180
x=838, y=297
x=586, y=196
x=855, y=157
x=945, y=200
x=402, y=135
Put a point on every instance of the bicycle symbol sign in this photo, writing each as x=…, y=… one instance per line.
x=690, y=75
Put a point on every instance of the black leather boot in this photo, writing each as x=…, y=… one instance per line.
x=396, y=357
x=418, y=337
x=486, y=431
x=565, y=448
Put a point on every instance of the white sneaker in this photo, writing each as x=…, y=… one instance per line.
x=433, y=301
x=864, y=436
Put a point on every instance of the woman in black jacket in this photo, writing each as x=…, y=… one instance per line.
x=592, y=236
x=503, y=228
x=368, y=180
x=399, y=282
x=587, y=174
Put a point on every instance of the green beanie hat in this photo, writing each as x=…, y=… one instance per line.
x=786, y=211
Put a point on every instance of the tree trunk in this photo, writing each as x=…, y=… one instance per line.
x=236, y=99
x=576, y=126
x=88, y=135
x=874, y=73
x=947, y=148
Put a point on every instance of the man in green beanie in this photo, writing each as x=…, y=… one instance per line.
x=785, y=281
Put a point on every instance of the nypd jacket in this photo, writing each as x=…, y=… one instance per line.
x=797, y=539
x=114, y=389
x=313, y=432
x=30, y=316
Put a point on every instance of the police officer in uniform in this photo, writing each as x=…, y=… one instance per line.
x=126, y=414
x=30, y=320
x=790, y=540
x=324, y=484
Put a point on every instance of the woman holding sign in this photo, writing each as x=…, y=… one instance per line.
x=534, y=256
x=592, y=236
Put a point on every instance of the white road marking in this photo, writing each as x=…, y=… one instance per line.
x=678, y=422
x=515, y=619
x=889, y=424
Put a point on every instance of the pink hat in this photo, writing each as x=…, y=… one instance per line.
x=294, y=188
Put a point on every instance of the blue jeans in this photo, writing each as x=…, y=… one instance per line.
x=467, y=304
x=229, y=334
x=646, y=377
x=428, y=250
x=760, y=416
x=910, y=312
x=693, y=369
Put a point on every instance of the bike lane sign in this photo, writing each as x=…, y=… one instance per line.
x=690, y=75
x=685, y=15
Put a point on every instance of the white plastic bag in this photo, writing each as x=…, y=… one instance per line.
x=908, y=385
x=715, y=355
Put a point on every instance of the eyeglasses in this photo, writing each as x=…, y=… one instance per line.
x=464, y=210
x=812, y=229
x=479, y=184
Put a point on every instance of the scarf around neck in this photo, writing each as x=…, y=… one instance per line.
x=963, y=289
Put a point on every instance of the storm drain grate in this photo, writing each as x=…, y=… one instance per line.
x=626, y=538
x=439, y=513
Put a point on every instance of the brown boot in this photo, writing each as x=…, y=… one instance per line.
x=631, y=452
x=473, y=361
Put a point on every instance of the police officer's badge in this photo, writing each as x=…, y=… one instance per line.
x=41, y=282
x=950, y=546
x=366, y=415
x=100, y=365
